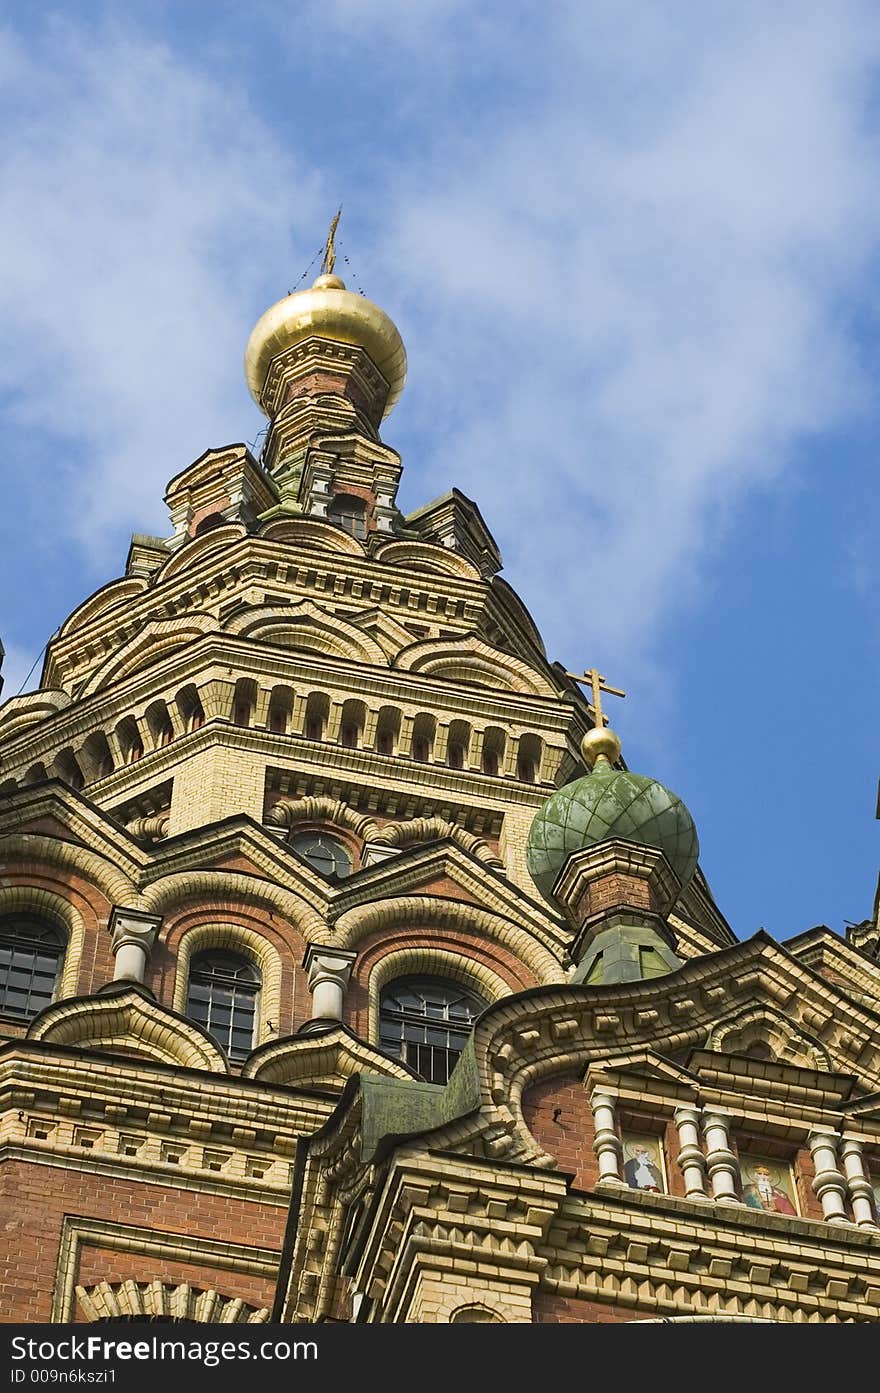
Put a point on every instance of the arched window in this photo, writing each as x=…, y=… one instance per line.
x=494, y=745
x=159, y=724
x=130, y=741
x=459, y=741
x=351, y=728
x=317, y=711
x=244, y=702
x=387, y=730
x=349, y=513
x=426, y=1021
x=528, y=759
x=475, y=1315
x=208, y=524
x=280, y=710
x=222, y=997
x=31, y=953
x=67, y=768
x=189, y=704
x=323, y=853
x=424, y=730
x=95, y=757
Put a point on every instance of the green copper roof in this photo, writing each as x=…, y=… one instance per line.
x=610, y=803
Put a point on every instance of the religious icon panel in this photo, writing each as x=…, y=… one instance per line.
x=644, y=1166
x=768, y=1184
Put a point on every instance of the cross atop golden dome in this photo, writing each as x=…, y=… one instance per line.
x=327, y=310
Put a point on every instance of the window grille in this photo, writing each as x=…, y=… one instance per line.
x=223, y=992
x=31, y=953
x=426, y=1021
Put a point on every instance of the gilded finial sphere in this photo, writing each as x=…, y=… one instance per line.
x=326, y=310
x=600, y=741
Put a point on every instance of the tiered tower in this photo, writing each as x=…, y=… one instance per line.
x=268, y=829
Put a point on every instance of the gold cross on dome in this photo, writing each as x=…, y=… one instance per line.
x=330, y=246
x=597, y=682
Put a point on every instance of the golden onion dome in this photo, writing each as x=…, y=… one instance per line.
x=326, y=311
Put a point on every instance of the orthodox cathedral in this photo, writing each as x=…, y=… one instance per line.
x=347, y=973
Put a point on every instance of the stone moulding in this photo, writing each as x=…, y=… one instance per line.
x=106, y=1301
x=427, y=829
x=158, y=1245
x=287, y=812
x=128, y=1018
x=468, y=654
x=327, y=1060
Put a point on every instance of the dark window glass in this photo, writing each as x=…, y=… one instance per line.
x=31, y=954
x=223, y=991
x=426, y=1021
x=324, y=853
x=349, y=513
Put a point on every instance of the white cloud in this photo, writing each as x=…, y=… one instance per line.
x=630, y=304
x=622, y=240
x=137, y=222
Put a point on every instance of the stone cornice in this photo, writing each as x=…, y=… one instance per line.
x=556, y=1030
x=487, y=888
x=211, y=656
x=335, y=1054
x=669, y=1253
x=304, y=573
x=55, y=1071
x=822, y=948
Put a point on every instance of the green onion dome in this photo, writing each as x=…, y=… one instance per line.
x=609, y=803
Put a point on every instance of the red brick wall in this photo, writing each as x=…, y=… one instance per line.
x=34, y=1200
x=549, y=1308
x=220, y=501
x=568, y=1137
x=610, y=891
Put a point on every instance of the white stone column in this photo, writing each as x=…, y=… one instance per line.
x=606, y=1142
x=691, y=1160
x=828, y=1183
x=328, y=972
x=860, y=1189
x=720, y=1160
x=132, y=935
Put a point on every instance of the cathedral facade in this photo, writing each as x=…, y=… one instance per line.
x=348, y=974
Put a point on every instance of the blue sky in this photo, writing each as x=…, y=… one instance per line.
x=633, y=252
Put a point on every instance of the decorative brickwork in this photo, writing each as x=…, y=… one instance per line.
x=647, y=1120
